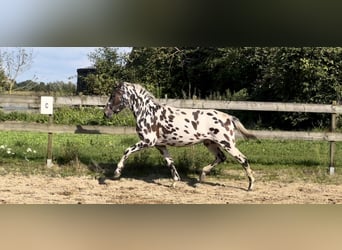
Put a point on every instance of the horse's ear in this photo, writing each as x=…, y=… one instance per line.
x=112, y=89
x=118, y=85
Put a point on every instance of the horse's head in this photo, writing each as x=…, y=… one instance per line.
x=116, y=102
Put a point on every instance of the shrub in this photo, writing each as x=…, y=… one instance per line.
x=73, y=116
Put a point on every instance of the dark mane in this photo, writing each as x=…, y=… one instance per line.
x=142, y=91
x=138, y=87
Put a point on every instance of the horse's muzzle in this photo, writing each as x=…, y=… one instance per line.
x=108, y=114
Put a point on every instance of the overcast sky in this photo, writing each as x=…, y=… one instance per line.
x=58, y=63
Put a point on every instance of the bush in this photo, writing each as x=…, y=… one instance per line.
x=20, y=116
x=73, y=116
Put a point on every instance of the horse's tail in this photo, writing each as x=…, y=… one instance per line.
x=246, y=134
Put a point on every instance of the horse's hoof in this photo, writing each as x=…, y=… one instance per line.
x=102, y=180
x=116, y=176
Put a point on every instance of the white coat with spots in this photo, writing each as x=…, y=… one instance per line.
x=160, y=125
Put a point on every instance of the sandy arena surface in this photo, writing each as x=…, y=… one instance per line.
x=18, y=189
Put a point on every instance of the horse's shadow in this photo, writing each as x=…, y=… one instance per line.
x=105, y=174
x=194, y=182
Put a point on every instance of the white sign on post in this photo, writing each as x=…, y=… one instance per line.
x=46, y=105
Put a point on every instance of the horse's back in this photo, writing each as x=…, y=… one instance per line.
x=181, y=127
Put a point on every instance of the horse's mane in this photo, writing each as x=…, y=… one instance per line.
x=145, y=92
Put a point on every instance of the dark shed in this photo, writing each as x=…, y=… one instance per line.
x=81, y=74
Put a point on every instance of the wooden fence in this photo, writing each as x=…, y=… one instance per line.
x=32, y=103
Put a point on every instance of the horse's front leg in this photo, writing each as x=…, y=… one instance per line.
x=138, y=146
x=175, y=176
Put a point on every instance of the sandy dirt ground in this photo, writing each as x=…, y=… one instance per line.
x=18, y=189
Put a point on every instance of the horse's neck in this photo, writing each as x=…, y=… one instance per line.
x=143, y=107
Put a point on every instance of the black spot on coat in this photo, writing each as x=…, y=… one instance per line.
x=195, y=114
x=194, y=124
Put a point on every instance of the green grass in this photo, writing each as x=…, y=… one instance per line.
x=81, y=154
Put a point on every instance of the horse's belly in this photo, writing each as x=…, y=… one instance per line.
x=182, y=140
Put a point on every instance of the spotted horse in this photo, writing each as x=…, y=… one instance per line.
x=161, y=125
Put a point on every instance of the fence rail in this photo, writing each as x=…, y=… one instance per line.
x=10, y=103
x=255, y=106
x=110, y=130
x=13, y=102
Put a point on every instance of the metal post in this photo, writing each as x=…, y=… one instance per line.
x=332, y=143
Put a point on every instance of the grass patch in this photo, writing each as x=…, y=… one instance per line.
x=81, y=154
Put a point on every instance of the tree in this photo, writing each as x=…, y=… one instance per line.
x=284, y=74
x=13, y=62
x=110, y=69
x=60, y=88
x=2, y=79
x=158, y=68
x=186, y=71
x=308, y=74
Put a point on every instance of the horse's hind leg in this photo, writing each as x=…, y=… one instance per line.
x=214, y=148
x=242, y=160
x=169, y=161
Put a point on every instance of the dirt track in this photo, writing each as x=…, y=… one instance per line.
x=84, y=190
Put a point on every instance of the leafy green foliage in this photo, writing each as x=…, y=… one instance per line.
x=158, y=68
x=309, y=75
x=284, y=74
x=110, y=69
x=73, y=116
x=91, y=116
x=58, y=88
x=20, y=116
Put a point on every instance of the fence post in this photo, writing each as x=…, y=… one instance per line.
x=49, y=146
x=332, y=143
x=46, y=107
